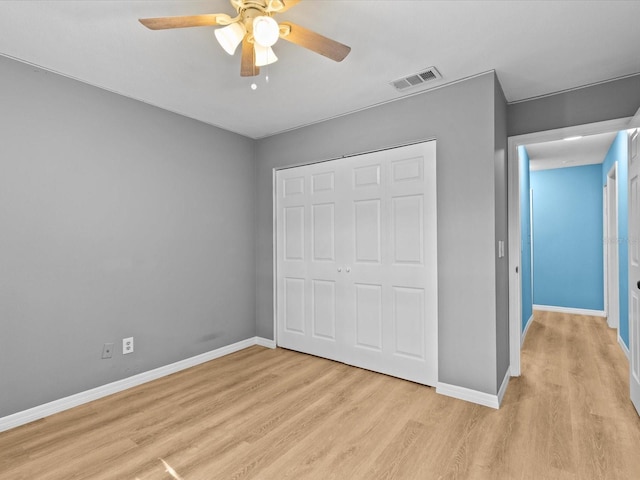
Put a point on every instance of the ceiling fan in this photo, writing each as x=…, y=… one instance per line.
x=255, y=27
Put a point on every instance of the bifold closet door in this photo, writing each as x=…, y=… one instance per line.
x=356, y=261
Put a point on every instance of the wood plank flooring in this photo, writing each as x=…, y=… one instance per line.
x=277, y=414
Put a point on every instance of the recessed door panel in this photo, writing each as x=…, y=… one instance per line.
x=406, y=170
x=408, y=227
x=408, y=321
x=293, y=186
x=369, y=316
x=294, y=233
x=294, y=305
x=324, y=309
x=323, y=221
x=322, y=182
x=367, y=231
x=366, y=176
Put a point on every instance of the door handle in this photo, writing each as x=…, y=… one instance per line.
x=638, y=284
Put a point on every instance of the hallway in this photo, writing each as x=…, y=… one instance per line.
x=573, y=399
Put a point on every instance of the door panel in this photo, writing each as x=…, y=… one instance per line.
x=408, y=225
x=323, y=222
x=366, y=176
x=408, y=321
x=367, y=291
x=294, y=233
x=294, y=305
x=324, y=308
x=369, y=316
x=367, y=231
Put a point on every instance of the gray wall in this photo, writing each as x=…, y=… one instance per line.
x=461, y=118
x=606, y=101
x=502, y=233
x=118, y=219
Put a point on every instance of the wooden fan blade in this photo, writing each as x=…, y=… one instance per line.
x=248, y=65
x=161, y=23
x=315, y=42
x=288, y=4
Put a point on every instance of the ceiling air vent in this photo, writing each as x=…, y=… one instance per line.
x=416, y=80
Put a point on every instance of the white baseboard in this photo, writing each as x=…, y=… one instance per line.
x=474, y=396
x=56, y=406
x=468, y=395
x=526, y=329
x=573, y=311
x=503, y=386
x=624, y=347
x=265, y=342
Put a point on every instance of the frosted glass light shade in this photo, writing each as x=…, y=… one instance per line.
x=265, y=31
x=230, y=36
x=264, y=55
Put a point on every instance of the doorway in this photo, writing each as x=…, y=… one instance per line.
x=515, y=234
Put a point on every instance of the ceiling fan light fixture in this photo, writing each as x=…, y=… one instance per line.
x=230, y=36
x=264, y=55
x=265, y=31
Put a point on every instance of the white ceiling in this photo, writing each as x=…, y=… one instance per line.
x=587, y=150
x=536, y=48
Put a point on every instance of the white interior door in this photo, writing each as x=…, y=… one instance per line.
x=357, y=261
x=307, y=281
x=391, y=297
x=634, y=269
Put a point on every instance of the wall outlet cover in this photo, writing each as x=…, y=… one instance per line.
x=127, y=345
x=107, y=350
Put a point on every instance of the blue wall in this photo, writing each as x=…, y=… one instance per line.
x=567, y=237
x=525, y=236
x=618, y=153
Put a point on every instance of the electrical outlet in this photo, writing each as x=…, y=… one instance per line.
x=107, y=350
x=127, y=345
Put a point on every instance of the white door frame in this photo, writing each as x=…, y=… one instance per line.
x=515, y=279
x=605, y=247
x=612, y=302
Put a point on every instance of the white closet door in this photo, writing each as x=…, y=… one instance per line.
x=307, y=280
x=356, y=261
x=391, y=298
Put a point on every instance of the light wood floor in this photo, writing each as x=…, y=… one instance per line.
x=276, y=414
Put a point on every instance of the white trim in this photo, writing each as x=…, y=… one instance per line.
x=515, y=287
x=573, y=311
x=515, y=255
x=468, y=395
x=56, y=406
x=612, y=308
x=605, y=246
x=625, y=350
x=503, y=386
x=526, y=329
x=572, y=89
x=274, y=252
x=635, y=120
x=265, y=342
